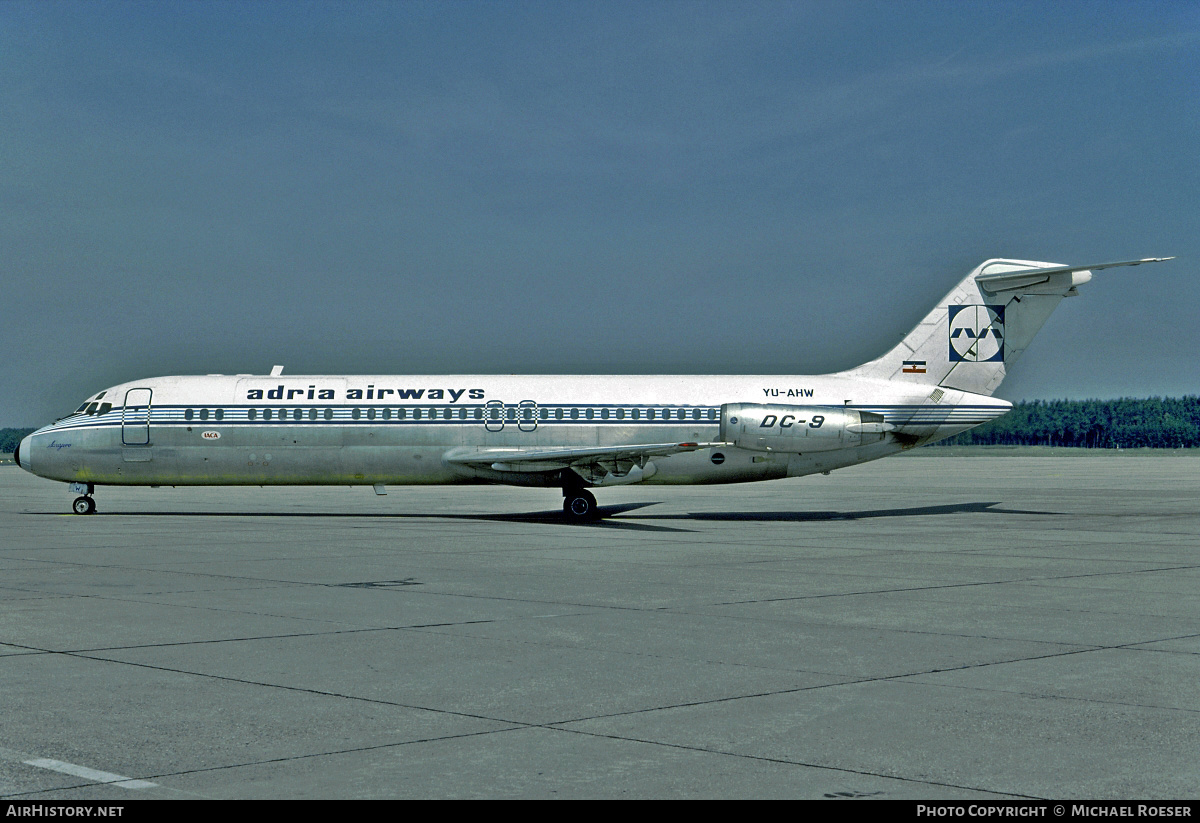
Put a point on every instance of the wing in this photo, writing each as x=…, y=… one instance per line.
x=591, y=463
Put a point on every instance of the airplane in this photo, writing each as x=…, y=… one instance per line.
x=574, y=433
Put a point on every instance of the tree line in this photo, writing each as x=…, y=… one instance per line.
x=10, y=439
x=1152, y=422
x=1128, y=423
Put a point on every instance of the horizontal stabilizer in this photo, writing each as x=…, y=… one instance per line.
x=1024, y=279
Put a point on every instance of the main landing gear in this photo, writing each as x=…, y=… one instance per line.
x=579, y=505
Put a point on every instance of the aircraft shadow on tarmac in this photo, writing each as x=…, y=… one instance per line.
x=809, y=516
x=609, y=515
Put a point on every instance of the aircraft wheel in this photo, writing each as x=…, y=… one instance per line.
x=579, y=505
x=84, y=505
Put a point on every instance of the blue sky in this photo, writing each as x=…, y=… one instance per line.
x=734, y=187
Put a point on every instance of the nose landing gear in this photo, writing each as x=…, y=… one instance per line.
x=85, y=504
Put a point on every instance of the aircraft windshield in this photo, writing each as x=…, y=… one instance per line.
x=93, y=406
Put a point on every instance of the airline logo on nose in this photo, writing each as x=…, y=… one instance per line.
x=976, y=334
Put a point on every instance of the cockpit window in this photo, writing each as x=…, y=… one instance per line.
x=90, y=406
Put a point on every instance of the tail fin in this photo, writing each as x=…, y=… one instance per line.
x=982, y=326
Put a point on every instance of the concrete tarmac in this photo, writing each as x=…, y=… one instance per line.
x=920, y=627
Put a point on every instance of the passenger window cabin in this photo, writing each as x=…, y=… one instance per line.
x=509, y=414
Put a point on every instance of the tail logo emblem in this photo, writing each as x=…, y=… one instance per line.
x=976, y=334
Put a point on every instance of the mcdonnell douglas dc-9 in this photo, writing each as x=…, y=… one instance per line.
x=569, y=432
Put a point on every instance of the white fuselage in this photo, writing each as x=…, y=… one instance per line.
x=403, y=430
x=572, y=432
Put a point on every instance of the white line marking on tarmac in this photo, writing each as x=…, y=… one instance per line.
x=90, y=774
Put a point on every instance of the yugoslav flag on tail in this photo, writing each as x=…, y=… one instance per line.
x=978, y=330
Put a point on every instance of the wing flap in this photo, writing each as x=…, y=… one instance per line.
x=537, y=459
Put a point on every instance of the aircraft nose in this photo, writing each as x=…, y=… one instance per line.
x=23, y=446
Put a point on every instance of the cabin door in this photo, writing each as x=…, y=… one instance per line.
x=135, y=418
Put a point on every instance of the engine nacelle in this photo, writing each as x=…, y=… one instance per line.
x=799, y=429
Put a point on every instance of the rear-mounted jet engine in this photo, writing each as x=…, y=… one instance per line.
x=799, y=429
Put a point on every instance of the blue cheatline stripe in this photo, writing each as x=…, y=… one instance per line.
x=903, y=414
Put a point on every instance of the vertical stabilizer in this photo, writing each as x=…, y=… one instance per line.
x=978, y=330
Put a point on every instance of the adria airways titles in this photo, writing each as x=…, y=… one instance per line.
x=573, y=432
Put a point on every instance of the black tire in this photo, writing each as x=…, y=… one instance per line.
x=579, y=505
x=84, y=505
